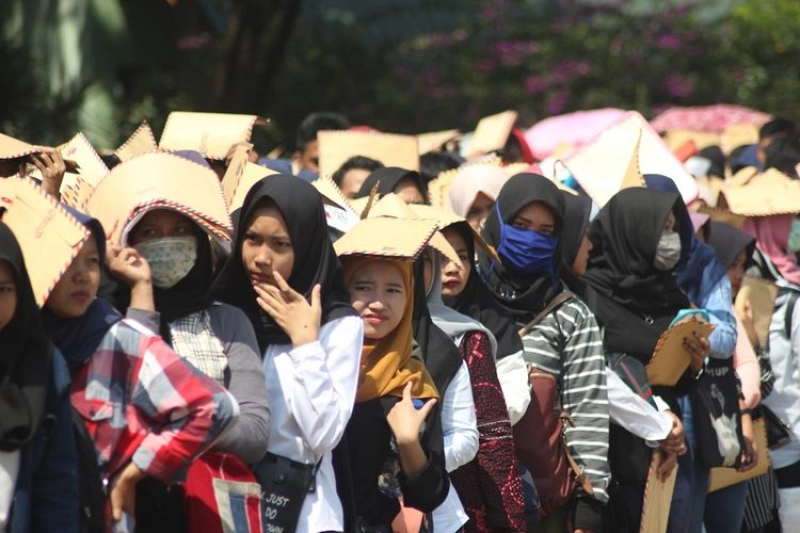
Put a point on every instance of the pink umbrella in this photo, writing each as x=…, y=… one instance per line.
x=711, y=118
x=572, y=128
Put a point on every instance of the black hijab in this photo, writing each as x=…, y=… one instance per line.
x=26, y=362
x=77, y=338
x=315, y=261
x=523, y=296
x=388, y=178
x=577, y=211
x=728, y=241
x=624, y=237
x=476, y=301
x=441, y=355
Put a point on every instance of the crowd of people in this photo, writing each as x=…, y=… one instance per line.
x=355, y=353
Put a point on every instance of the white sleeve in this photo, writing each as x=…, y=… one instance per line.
x=459, y=425
x=319, y=381
x=629, y=410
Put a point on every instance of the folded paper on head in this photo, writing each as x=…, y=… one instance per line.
x=140, y=142
x=210, y=134
x=391, y=238
x=393, y=150
x=770, y=193
x=491, y=133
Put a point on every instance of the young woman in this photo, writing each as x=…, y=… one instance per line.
x=489, y=485
x=172, y=255
x=284, y=274
x=474, y=190
x=525, y=227
x=38, y=463
x=636, y=246
x=407, y=184
x=395, y=444
x=148, y=412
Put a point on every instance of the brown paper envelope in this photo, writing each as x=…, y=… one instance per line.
x=80, y=150
x=737, y=135
x=491, y=133
x=393, y=150
x=210, y=134
x=11, y=148
x=428, y=142
x=447, y=218
x=332, y=193
x=49, y=236
x=386, y=237
x=251, y=174
x=670, y=359
x=725, y=477
x=141, y=142
x=235, y=171
x=771, y=193
x=657, y=499
x=600, y=165
x=161, y=180
x=761, y=294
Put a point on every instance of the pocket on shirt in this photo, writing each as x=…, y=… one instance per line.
x=93, y=410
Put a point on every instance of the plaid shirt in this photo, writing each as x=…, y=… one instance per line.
x=141, y=402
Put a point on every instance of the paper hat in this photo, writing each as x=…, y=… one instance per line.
x=393, y=206
x=392, y=238
x=600, y=166
x=737, y=135
x=722, y=215
x=432, y=141
x=393, y=150
x=338, y=213
x=80, y=150
x=11, y=148
x=210, y=134
x=49, y=236
x=491, y=133
x=159, y=180
x=447, y=218
x=771, y=193
x=252, y=174
x=141, y=142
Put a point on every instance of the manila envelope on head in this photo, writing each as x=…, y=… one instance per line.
x=140, y=142
x=49, y=236
x=491, y=134
x=159, y=180
x=391, y=149
x=771, y=193
x=210, y=134
x=432, y=141
x=600, y=165
x=392, y=238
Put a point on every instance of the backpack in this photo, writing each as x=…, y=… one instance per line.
x=540, y=438
x=91, y=489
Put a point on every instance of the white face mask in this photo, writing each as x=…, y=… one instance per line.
x=668, y=252
x=170, y=259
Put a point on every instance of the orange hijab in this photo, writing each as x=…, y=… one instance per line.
x=388, y=365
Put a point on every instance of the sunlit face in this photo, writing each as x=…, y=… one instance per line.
x=352, y=181
x=408, y=191
x=8, y=295
x=160, y=224
x=536, y=216
x=454, y=279
x=736, y=272
x=77, y=288
x=378, y=295
x=479, y=211
x=582, y=258
x=308, y=159
x=266, y=247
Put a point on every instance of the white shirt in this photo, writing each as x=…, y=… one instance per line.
x=312, y=391
x=632, y=412
x=460, y=430
x=9, y=469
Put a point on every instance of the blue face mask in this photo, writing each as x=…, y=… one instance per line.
x=526, y=250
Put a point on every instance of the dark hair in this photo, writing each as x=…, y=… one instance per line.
x=777, y=126
x=717, y=158
x=735, y=156
x=357, y=161
x=434, y=163
x=784, y=154
x=316, y=122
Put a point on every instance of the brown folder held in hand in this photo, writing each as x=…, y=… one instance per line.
x=670, y=359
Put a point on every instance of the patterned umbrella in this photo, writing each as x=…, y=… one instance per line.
x=573, y=129
x=711, y=118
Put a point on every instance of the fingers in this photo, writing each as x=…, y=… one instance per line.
x=282, y=285
x=427, y=408
x=316, y=298
x=407, y=391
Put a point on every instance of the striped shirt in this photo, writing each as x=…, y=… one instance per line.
x=567, y=343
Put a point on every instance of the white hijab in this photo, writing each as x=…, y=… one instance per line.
x=470, y=180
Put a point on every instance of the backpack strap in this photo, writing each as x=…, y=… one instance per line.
x=554, y=303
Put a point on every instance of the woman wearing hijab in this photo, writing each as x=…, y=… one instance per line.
x=38, y=462
x=216, y=338
x=636, y=245
x=407, y=184
x=474, y=190
x=147, y=411
x=395, y=435
x=725, y=508
x=489, y=485
x=525, y=228
x=283, y=273
x=772, y=236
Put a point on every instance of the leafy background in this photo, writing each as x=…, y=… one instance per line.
x=103, y=66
